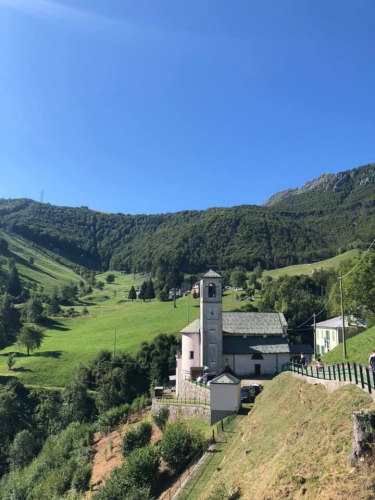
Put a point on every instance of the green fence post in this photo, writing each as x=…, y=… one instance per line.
x=361, y=375
x=368, y=380
x=349, y=372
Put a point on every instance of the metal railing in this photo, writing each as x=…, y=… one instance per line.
x=182, y=478
x=354, y=373
x=184, y=401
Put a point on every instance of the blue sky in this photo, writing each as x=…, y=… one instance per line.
x=157, y=106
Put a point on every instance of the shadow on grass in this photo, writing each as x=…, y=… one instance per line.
x=43, y=354
x=52, y=324
x=48, y=354
x=21, y=369
x=244, y=410
x=4, y=379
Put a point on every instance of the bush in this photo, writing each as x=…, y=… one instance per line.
x=22, y=450
x=179, y=444
x=113, y=417
x=81, y=477
x=161, y=417
x=136, y=438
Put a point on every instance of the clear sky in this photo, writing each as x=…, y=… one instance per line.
x=153, y=106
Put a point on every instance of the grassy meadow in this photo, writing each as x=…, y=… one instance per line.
x=299, y=269
x=70, y=341
x=45, y=271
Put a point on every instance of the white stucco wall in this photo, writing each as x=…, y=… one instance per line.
x=190, y=342
x=243, y=364
x=226, y=397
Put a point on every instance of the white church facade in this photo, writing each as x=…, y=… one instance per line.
x=250, y=343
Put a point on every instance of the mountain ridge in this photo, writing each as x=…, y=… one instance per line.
x=327, y=216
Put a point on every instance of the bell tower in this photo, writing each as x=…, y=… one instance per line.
x=211, y=321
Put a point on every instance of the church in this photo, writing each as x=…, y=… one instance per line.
x=251, y=343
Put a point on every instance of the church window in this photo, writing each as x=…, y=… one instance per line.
x=212, y=290
x=191, y=355
x=257, y=356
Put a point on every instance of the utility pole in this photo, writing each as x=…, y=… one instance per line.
x=314, y=336
x=114, y=346
x=342, y=319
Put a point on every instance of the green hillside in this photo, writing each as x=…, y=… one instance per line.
x=299, y=269
x=294, y=444
x=44, y=270
x=330, y=218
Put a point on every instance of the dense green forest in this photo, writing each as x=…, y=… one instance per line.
x=314, y=225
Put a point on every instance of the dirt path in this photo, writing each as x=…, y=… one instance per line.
x=108, y=453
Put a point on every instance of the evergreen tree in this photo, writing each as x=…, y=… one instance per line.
x=150, y=290
x=132, y=293
x=13, y=286
x=143, y=292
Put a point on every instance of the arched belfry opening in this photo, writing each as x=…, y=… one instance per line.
x=212, y=291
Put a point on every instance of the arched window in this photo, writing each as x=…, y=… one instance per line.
x=257, y=356
x=212, y=290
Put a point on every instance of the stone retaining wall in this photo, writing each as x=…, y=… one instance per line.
x=183, y=411
x=191, y=390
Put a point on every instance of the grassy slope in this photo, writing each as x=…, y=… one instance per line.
x=45, y=271
x=309, y=268
x=358, y=349
x=294, y=444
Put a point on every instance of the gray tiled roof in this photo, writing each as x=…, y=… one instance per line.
x=247, y=323
x=231, y=379
x=192, y=328
x=255, y=345
x=333, y=323
x=254, y=323
x=211, y=274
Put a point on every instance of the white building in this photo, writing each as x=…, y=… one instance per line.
x=329, y=333
x=251, y=343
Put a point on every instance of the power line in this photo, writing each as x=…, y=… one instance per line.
x=363, y=256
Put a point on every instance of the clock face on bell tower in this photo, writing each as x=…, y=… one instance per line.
x=211, y=313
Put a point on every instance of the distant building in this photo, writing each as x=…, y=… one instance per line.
x=329, y=333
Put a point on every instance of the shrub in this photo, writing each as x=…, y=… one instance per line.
x=136, y=438
x=179, y=444
x=161, y=417
x=81, y=477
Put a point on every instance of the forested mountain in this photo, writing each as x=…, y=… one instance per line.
x=327, y=216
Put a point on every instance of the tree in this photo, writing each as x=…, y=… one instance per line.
x=238, y=278
x=110, y=278
x=142, y=467
x=178, y=444
x=161, y=417
x=9, y=315
x=13, y=286
x=11, y=361
x=150, y=290
x=32, y=311
x=258, y=271
x=143, y=292
x=174, y=280
x=132, y=293
x=22, y=450
x=30, y=337
x=53, y=308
